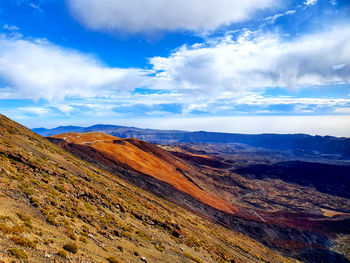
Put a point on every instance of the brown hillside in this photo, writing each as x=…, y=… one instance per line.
x=271, y=211
x=57, y=208
x=148, y=159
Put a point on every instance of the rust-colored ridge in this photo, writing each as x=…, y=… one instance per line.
x=148, y=159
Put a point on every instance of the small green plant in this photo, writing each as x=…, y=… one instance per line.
x=71, y=247
x=18, y=253
x=113, y=259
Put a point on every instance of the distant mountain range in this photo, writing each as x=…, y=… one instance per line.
x=327, y=146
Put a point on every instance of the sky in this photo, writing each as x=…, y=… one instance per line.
x=253, y=66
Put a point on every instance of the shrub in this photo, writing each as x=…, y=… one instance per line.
x=5, y=229
x=120, y=248
x=22, y=241
x=18, y=253
x=5, y=218
x=18, y=229
x=188, y=255
x=25, y=219
x=83, y=239
x=34, y=202
x=28, y=224
x=143, y=235
x=51, y=218
x=160, y=247
x=71, y=247
x=25, y=189
x=72, y=235
x=60, y=188
x=113, y=259
x=62, y=253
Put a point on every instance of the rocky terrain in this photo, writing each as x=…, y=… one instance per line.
x=93, y=197
x=56, y=207
x=291, y=216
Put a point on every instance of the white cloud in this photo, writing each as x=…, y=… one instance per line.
x=310, y=2
x=34, y=110
x=202, y=73
x=147, y=15
x=37, y=69
x=257, y=60
x=64, y=108
x=273, y=18
x=290, y=12
x=10, y=28
x=36, y=7
x=343, y=110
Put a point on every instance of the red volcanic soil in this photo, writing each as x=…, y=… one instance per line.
x=148, y=159
x=190, y=180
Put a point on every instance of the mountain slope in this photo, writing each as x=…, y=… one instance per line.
x=277, y=214
x=150, y=160
x=54, y=206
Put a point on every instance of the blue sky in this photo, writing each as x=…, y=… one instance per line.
x=254, y=66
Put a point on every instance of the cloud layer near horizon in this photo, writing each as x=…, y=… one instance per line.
x=143, y=16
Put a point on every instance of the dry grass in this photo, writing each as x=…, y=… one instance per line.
x=71, y=247
x=24, y=242
x=188, y=255
x=18, y=253
x=110, y=215
x=62, y=253
x=113, y=259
